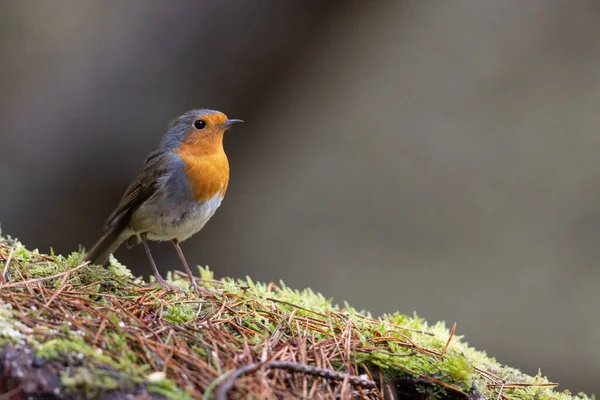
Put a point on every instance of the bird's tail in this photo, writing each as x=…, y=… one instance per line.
x=108, y=244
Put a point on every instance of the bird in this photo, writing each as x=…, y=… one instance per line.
x=179, y=188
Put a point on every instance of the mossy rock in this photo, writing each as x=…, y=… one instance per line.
x=74, y=331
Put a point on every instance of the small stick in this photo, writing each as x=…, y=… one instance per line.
x=322, y=372
x=292, y=366
x=501, y=389
x=221, y=393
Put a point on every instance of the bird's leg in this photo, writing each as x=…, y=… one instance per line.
x=187, y=267
x=159, y=279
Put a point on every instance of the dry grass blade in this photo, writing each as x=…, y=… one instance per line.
x=520, y=385
x=449, y=339
x=61, y=287
x=8, y=259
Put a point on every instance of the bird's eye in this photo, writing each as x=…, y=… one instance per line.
x=199, y=124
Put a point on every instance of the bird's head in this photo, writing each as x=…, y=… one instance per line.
x=201, y=127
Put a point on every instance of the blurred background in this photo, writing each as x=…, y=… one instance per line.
x=432, y=156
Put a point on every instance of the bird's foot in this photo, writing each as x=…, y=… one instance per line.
x=169, y=287
x=197, y=289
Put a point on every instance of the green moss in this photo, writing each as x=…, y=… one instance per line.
x=168, y=389
x=93, y=382
x=180, y=313
x=206, y=274
x=248, y=313
x=76, y=347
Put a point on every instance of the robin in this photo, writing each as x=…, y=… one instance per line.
x=179, y=188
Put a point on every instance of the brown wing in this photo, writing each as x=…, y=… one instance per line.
x=140, y=190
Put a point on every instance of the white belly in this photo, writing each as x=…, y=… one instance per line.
x=180, y=222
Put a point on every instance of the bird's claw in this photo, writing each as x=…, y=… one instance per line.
x=197, y=289
x=169, y=287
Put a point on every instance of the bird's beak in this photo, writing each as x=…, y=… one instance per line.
x=230, y=122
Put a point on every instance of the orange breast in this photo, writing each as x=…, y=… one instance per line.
x=207, y=167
